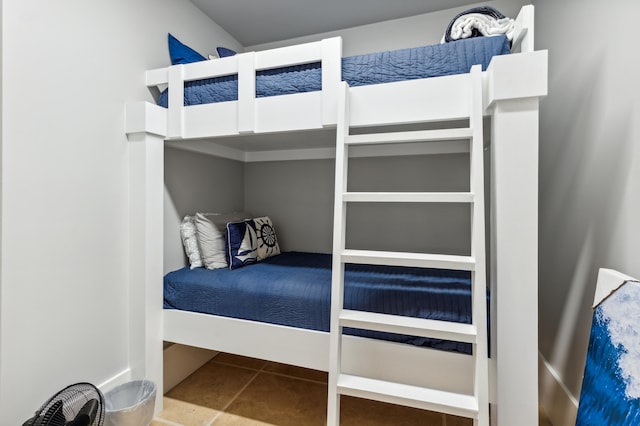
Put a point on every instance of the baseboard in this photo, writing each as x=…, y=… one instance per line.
x=556, y=400
x=120, y=378
x=181, y=361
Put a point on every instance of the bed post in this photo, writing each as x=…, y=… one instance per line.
x=514, y=254
x=515, y=84
x=145, y=126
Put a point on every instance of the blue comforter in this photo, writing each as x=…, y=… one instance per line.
x=294, y=289
x=406, y=64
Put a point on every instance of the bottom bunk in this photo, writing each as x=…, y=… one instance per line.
x=278, y=310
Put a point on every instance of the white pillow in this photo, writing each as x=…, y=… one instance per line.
x=190, y=241
x=211, y=243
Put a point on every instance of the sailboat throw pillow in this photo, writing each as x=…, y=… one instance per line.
x=242, y=244
x=251, y=241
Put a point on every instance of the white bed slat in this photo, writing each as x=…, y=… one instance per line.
x=214, y=68
x=288, y=56
x=215, y=119
x=298, y=111
x=413, y=101
x=157, y=77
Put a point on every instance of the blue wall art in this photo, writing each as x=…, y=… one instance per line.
x=610, y=394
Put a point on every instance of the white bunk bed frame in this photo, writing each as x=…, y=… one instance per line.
x=512, y=87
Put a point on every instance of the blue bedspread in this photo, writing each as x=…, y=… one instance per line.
x=294, y=289
x=406, y=64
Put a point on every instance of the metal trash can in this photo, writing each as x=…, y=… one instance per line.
x=130, y=404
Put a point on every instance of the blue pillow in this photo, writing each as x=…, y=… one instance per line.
x=224, y=52
x=242, y=243
x=181, y=53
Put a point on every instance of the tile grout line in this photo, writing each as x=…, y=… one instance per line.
x=295, y=377
x=224, y=409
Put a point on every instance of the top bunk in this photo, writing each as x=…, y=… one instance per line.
x=258, y=102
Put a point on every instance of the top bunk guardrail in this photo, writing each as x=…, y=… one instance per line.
x=315, y=109
x=245, y=65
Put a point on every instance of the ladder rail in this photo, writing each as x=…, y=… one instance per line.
x=337, y=270
x=474, y=406
x=478, y=248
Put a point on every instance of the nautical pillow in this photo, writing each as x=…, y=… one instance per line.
x=211, y=243
x=266, y=237
x=190, y=241
x=181, y=53
x=223, y=52
x=241, y=243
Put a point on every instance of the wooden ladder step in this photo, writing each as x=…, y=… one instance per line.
x=435, y=329
x=412, y=136
x=419, y=260
x=409, y=197
x=413, y=396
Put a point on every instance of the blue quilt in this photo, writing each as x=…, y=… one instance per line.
x=406, y=64
x=294, y=289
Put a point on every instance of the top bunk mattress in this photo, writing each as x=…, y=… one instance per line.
x=456, y=57
x=294, y=289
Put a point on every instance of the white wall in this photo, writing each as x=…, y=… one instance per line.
x=413, y=31
x=589, y=177
x=68, y=68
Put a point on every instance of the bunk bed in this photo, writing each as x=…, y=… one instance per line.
x=511, y=87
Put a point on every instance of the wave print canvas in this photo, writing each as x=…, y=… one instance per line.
x=610, y=394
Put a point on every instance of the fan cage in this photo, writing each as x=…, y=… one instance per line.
x=73, y=398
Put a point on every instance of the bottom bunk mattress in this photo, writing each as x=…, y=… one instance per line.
x=294, y=289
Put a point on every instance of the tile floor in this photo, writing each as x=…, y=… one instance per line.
x=239, y=391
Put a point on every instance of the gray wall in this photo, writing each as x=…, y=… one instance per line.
x=298, y=196
x=413, y=31
x=203, y=183
x=589, y=172
x=196, y=183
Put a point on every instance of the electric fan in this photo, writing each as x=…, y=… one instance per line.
x=81, y=404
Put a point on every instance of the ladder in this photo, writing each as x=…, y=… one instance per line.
x=474, y=406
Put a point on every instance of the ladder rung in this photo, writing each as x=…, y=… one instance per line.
x=409, y=197
x=446, y=330
x=413, y=136
x=420, y=260
x=413, y=396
